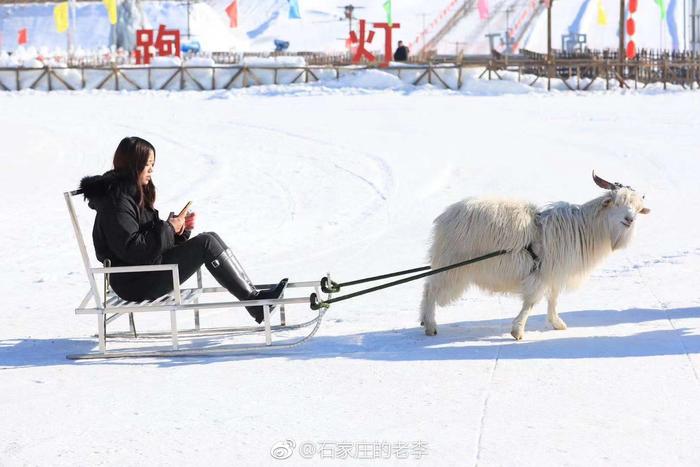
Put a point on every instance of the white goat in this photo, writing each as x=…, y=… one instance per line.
x=549, y=250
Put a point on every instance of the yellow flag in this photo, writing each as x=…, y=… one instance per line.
x=60, y=16
x=111, y=6
x=602, y=17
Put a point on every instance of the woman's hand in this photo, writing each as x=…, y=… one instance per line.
x=189, y=220
x=178, y=223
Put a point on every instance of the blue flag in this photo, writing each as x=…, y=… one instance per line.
x=294, y=9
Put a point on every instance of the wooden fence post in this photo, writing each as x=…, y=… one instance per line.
x=663, y=71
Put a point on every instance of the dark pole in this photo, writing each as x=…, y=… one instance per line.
x=549, y=44
x=188, y=19
x=622, y=31
x=622, y=52
x=549, y=30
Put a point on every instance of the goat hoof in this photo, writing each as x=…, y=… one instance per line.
x=422, y=323
x=558, y=324
x=517, y=334
x=430, y=331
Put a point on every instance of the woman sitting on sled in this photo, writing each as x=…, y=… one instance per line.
x=129, y=232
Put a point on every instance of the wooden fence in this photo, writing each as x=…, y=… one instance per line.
x=129, y=77
x=577, y=73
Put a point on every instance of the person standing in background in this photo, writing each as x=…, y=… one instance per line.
x=401, y=54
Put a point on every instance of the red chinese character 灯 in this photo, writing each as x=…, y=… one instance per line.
x=361, y=50
x=387, y=42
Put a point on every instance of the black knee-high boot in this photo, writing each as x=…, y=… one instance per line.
x=229, y=273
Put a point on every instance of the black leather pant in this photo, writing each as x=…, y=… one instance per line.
x=189, y=256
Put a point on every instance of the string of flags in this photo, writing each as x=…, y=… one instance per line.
x=442, y=15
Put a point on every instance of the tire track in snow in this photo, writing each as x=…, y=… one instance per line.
x=487, y=398
x=381, y=193
x=664, y=306
x=204, y=183
x=207, y=185
x=670, y=258
x=382, y=190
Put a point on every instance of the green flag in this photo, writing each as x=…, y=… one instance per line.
x=387, y=8
x=662, y=9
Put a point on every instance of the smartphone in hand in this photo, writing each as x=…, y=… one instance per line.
x=185, y=209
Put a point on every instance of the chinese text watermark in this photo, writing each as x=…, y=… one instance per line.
x=349, y=449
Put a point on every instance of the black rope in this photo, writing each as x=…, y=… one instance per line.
x=334, y=287
x=316, y=304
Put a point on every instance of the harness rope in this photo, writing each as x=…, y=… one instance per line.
x=316, y=304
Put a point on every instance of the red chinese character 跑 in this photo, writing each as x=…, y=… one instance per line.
x=168, y=42
x=144, y=41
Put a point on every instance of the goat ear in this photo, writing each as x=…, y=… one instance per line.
x=645, y=211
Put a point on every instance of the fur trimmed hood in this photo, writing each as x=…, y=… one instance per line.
x=109, y=187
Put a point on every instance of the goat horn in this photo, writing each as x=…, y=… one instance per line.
x=604, y=184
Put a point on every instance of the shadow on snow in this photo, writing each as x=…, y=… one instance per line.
x=466, y=340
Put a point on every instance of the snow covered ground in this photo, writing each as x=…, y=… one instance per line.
x=302, y=180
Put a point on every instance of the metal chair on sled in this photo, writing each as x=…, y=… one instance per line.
x=108, y=307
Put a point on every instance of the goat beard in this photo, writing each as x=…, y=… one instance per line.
x=622, y=238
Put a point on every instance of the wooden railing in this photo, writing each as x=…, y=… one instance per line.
x=576, y=71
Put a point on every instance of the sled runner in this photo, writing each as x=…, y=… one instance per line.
x=108, y=307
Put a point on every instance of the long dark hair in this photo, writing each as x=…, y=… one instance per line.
x=131, y=157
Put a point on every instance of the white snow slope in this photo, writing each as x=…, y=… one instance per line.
x=300, y=181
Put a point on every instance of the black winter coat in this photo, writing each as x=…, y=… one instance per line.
x=401, y=54
x=123, y=232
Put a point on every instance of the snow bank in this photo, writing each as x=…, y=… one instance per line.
x=164, y=62
x=366, y=79
x=201, y=78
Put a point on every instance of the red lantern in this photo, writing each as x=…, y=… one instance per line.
x=633, y=6
x=630, y=27
x=631, y=50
